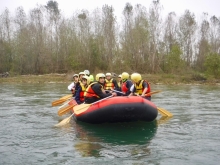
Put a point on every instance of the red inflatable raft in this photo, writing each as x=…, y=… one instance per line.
x=116, y=109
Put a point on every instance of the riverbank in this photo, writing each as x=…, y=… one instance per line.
x=152, y=78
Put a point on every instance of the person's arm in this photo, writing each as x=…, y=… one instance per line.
x=145, y=86
x=77, y=97
x=132, y=90
x=97, y=89
x=71, y=86
x=115, y=84
x=129, y=85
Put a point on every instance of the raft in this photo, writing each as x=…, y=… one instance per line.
x=116, y=109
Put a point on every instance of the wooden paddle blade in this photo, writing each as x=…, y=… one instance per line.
x=64, y=121
x=81, y=108
x=61, y=100
x=58, y=102
x=164, y=112
x=65, y=110
x=66, y=97
x=151, y=93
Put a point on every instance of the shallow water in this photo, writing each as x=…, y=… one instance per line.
x=28, y=135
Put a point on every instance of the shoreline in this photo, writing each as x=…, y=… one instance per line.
x=156, y=79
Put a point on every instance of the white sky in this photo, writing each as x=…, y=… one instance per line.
x=212, y=7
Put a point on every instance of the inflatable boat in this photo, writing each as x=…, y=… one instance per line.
x=116, y=109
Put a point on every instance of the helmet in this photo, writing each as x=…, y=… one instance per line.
x=108, y=74
x=91, y=78
x=87, y=79
x=136, y=77
x=87, y=72
x=75, y=75
x=119, y=76
x=124, y=75
x=99, y=75
x=81, y=73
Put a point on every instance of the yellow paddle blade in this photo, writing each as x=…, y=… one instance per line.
x=64, y=121
x=65, y=110
x=61, y=100
x=58, y=102
x=81, y=108
x=66, y=97
x=164, y=112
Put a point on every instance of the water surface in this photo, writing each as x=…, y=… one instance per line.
x=28, y=135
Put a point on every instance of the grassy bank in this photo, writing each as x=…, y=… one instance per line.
x=152, y=78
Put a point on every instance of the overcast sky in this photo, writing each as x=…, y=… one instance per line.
x=212, y=7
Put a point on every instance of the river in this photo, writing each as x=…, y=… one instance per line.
x=28, y=135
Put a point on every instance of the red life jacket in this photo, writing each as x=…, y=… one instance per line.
x=124, y=89
x=81, y=94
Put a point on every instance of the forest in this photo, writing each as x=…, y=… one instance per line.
x=44, y=41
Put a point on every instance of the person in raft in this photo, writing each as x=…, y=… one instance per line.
x=110, y=83
x=95, y=90
x=81, y=74
x=87, y=72
x=80, y=92
x=141, y=87
x=119, y=82
x=126, y=84
x=71, y=87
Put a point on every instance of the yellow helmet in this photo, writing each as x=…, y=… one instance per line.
x=87, y=79
x=124, y=76
x=136, y=77
x=99, y=75
x=91, y=78
x=108, y=74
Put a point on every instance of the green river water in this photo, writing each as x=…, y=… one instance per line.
x=28, y=135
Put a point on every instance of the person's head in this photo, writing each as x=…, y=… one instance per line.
x=100, y=77
x=108, y=76
x=85, y=80
x=81, y=74
x=136, y=77
x=75, y=77
x=119, y=77
x=87, y=72
x=124, y=76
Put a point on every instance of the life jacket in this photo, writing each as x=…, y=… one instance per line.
x=81, y=94
x=109, y=84
x=124, y=88
x=140, y=89
x=89, y=92
x=119, y=84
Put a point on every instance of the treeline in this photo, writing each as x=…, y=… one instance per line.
x=145, y=41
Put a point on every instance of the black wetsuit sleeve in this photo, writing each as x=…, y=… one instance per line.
x=77, y=97
x=145, y=85
x=97, y=89
x=115, y=84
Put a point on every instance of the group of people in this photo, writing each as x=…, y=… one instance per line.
x=87, y=90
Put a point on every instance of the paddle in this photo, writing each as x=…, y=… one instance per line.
x=61, y=100
x=81, y=107
x=65, y=110
x=164, y=112
x=148, y=94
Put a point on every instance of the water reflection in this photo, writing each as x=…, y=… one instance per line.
x=94, y=138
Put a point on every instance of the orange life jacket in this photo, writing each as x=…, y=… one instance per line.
x=89, y=92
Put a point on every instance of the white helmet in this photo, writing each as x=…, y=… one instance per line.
x=87, y=72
